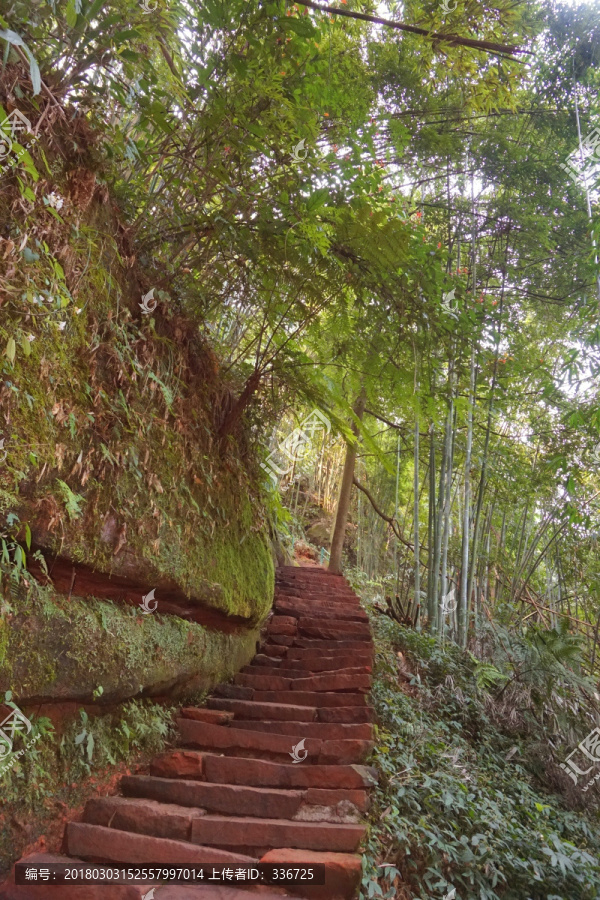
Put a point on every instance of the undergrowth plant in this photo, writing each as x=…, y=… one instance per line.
x=54, y=774
x=52, y=765
x=90, y=743
x=465, y=801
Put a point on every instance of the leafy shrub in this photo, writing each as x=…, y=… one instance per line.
x=455, y=807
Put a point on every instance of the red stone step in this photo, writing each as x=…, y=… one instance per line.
x=336, y=752
x=238, y=741
x=329, y=663
x=225, y=799
x=323, y=598
x=329, y=682
x=304, y=609
x=325, y=730
x=168, y=819
x=248, y=709
x=302, y=653
x=308, y=698
x=349, y=717
x=316, y=588
x=338, y=681
x=274, y=649
x=332, y=629
x=235, y=692
x=263, y=682
x=283, y=640
x=250, y=832
x=332, y=798
x=315, y=598
x=280, y=672
x=343, y=871
x=236, y=800
x=258, y=772
x=201, y=714
x=178, y=764
x=290, y=605
x=99, y=844
x=309, y=572
x=276, y=627
x=329, y=648
x=329, y=644
x=346, y=713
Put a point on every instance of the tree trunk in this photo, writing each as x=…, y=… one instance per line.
x=235, y=413
x=394, y=538
x=431, y=532
x=341, y=516
x=439, y=527
x=417, y=601
x=464, y=569
x=446, y=527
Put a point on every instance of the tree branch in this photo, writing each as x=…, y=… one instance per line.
x=389, y=519
x=486, y=46
x=385, y=421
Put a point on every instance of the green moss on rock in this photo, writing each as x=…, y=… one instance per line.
x=111, y=457
x=58, y=650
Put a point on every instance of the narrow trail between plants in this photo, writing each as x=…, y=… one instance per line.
x=231, y=793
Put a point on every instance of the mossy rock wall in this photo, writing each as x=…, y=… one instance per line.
x=110, y=416
x=56, y=649
x=109, y=455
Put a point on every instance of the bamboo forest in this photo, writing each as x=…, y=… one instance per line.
x=299, y=449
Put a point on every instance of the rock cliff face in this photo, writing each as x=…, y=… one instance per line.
x=110, y=479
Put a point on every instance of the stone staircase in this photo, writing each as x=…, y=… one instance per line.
x=231, y=793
